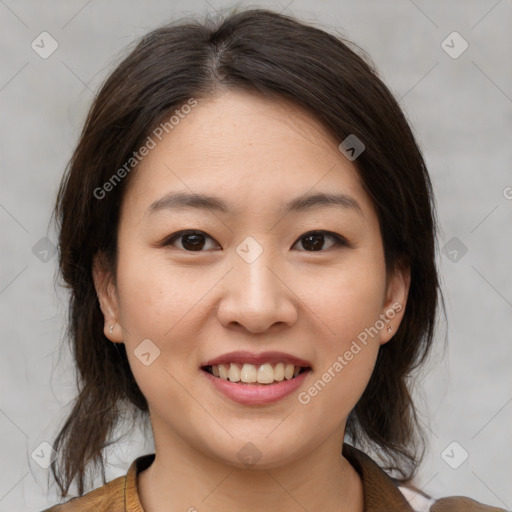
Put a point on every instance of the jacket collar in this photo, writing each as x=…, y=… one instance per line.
x=380, y=492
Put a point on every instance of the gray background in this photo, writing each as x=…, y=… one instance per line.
x=461, y=111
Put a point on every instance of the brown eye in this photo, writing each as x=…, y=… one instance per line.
x=197, y=241
x=314, y=241
x=191, y=241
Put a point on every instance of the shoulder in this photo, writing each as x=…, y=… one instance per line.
x=420, y=502
x=108, y=498
x=382, y=492
x=118, y=495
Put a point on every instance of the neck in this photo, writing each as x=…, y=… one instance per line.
x=184, y=479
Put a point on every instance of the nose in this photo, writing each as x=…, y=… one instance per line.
x=256, y=295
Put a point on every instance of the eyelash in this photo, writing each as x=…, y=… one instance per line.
x=339, y=241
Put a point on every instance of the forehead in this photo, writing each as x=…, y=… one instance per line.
x=247, y=149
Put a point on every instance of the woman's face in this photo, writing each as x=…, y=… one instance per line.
x=253, y=278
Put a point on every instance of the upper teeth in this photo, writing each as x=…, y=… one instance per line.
x=263, y=374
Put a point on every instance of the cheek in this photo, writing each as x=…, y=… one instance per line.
x=166, y=304
x=349, y=307
x=153, y=296
x=346, y=300
x=348, y=304
x=156, y=303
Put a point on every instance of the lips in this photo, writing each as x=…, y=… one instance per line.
x=242, y=357
x=255, y=394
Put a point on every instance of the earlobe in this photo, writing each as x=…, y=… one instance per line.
x=396, y=300
x=113, y=332
x=106, y=292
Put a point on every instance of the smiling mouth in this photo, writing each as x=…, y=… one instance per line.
x=264, y=374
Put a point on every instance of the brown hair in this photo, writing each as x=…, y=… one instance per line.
x=277, y=56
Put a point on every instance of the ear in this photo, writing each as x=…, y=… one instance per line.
x=107, y=297
x=393, y=309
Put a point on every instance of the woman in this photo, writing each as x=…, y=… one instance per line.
x=247, y=228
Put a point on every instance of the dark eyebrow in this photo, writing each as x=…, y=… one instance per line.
x=299, y=204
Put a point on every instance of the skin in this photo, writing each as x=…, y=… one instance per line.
x=255, y=154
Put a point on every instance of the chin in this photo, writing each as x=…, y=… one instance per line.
x=258, y=452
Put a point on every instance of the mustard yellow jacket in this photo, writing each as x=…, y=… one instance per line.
x=381, y=493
